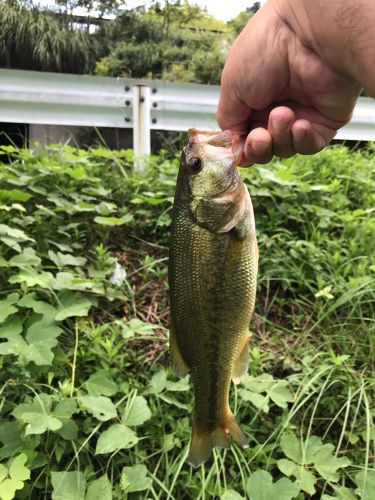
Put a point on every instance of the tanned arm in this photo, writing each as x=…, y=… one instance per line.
x=293, y=76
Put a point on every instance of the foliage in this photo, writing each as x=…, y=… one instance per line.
x=12, y=478
x=42, y=41
x=177, y=41
x=146, y=46
x=238, y=23
x=176, y=12
x=163, y=43
x=101, y=7
x=89, y=407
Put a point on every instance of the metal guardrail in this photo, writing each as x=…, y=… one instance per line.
x=59, y=99
x=143, y=105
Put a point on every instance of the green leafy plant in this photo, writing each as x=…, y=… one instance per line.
x=12, y=477
x=303, y=456
x=89, y=407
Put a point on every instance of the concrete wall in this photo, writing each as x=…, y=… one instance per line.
x=113, y=138
x=45, y=135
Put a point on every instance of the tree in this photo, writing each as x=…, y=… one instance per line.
x=101, y=7
x=190, y=48
x=175, y=12
x=207, y=66
x=40, y=40
x=176, y=41
x=238, y=23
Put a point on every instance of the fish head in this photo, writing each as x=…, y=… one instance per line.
x=209, y=180
x=209, y=162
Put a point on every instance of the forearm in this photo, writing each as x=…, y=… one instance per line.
x=341, y=32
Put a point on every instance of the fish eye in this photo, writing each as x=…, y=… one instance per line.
x=195, y=165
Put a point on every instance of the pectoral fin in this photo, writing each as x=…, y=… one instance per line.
x=241, y=364
x=178, y=365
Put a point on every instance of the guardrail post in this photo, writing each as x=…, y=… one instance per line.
x=141, y=124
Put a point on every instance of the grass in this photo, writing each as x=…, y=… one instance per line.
x=88, y=403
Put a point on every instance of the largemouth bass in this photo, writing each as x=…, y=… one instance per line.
x=212, y=278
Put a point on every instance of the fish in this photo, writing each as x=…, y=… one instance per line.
x=213, y=264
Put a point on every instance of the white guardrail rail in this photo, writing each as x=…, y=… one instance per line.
x=143, y=105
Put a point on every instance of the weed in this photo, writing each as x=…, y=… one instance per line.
x=89, y=408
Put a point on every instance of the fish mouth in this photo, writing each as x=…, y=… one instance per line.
x=222, y=139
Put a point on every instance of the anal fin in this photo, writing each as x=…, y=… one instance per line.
x=178, y=365
x=241, y=365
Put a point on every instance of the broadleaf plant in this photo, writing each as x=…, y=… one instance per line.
x=306, y=456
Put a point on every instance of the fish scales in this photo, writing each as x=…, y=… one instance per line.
x=212, y=275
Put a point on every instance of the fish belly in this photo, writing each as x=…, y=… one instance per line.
x=212, y=289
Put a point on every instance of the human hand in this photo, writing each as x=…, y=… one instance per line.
x=279, y=92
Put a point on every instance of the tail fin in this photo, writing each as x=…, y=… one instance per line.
x=202, y=442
